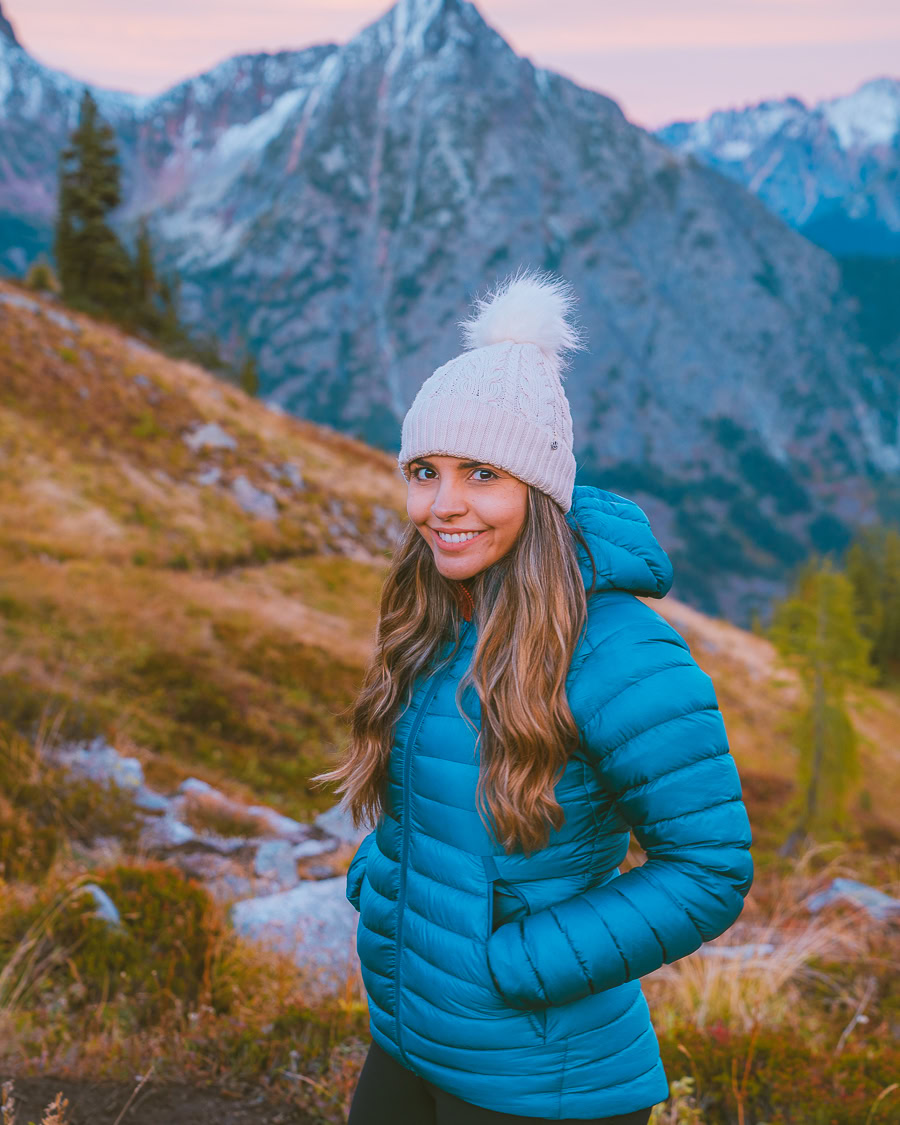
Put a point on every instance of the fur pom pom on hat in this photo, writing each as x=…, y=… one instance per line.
x=501, y=401
x=527, y=309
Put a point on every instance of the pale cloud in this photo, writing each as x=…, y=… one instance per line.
x=660, y=59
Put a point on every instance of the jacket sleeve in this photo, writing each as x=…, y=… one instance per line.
x=356, y=869
x=659, y=748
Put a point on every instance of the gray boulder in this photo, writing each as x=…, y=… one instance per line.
x=337, y=822
x=275, y=860
x=101, y=762
x=255, y=501
x=875, y=903
x=313, y=922
x=209, y=436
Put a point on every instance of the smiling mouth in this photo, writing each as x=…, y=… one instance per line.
x=456, y=536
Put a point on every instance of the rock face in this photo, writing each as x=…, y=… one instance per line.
x=6, y=29
x=723, y=389
x=830, y=169
x=346, y=203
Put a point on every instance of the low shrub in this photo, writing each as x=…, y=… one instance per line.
x=42, y=806
x=160, y=957
x=41, y=277
x=774, y=1076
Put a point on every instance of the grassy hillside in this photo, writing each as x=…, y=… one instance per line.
x=140, y=599
x=137, y=601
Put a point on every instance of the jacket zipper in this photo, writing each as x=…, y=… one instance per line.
x=401, y=897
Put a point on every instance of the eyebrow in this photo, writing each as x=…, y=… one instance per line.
x=462, y=464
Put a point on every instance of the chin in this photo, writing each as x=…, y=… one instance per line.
x=456, y=568
x=459, y=570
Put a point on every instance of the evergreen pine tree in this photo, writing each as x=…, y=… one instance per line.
x=815, y=631
x=872, y=563
x=170, y=331
x=95, y=271
x=145, y=281
x=93, y=266
x=249, y=376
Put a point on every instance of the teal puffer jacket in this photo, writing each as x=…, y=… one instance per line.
x=513, y=981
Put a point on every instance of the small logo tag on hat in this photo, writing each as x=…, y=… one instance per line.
x=554, y=445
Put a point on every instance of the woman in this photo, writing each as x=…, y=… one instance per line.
x=523, y=710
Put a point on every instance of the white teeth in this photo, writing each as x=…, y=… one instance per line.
x=457, y=538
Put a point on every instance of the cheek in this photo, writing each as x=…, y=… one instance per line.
x=416, y=505
x=506, y=514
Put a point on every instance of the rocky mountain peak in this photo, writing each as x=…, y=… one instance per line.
x=868, y=117
x=6, y=29
x=425, y=26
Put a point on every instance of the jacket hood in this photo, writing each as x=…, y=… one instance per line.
x=626, y=553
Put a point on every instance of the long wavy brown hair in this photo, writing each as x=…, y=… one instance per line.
x=530, y=609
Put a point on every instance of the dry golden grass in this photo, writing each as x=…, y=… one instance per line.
x=155, y=608
x=261, y=1019
x=136, y=603
x=207, y=812
x=772, y=988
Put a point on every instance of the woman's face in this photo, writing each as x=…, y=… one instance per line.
x=482, y=506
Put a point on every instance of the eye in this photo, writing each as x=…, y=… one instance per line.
x=490, y=474
x=419, y=469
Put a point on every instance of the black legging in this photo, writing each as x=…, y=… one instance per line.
x=389, y=1094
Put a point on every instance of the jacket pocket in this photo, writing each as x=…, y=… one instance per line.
x=508, y=904
x=504, y=903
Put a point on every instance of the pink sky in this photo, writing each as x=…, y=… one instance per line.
x=661, y=60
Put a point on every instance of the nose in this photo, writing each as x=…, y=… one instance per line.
x=449, y=500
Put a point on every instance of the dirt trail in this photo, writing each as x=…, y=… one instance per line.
x=101, y=1103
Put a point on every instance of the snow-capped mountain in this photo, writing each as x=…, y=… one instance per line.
x=339, y=207
x=831, y=170
x=193, y=139
x=161, y=139
x=38, y=109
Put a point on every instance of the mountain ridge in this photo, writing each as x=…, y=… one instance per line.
x=7, y=30
x=335, y=210
x=828, y=169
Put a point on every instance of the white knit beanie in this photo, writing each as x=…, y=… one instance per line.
x=501, y=401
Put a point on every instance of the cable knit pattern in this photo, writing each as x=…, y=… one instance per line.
x=517, y=378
